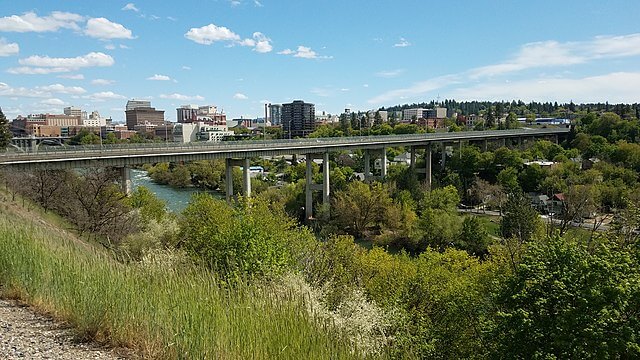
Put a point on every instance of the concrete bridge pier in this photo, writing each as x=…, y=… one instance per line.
x=444, y=156
x=246, y=178
x=383, y=163
x=485, y=145
x=229, y=179
x=310, y=186
x=413, y=157
x=427, y=158
x=125, y=180
x=325, y=179
x=367, y=165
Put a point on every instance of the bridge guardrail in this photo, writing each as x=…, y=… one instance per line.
x=258, y=144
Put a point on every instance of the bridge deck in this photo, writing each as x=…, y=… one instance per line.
x=136, y=154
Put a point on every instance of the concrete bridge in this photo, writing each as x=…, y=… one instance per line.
x=239, y=154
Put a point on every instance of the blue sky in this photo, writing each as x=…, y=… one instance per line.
x=358, y=54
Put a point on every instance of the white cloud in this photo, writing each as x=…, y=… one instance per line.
x=303, y=52
x=184, y=67
x=390, y=73
x=104, y=96
x=123, y=46
x=158, y=77
x=46, y=65
x=538, y=55
x=257, y=3
x=8, y=49
x=59, y=88
x=93, y=59
x=211, y=33
x=259, y=42
x=72, y=76
x=618, y=87
x=102, y=82
x=31, y=22
x=53, y=101
x=130, y=7
x=554, y=53
x=27, y=70
x=402, y=43
x=417, y=89
x=8, y=91
x=110, y=47
x=240, y=96
x=176, y=96
x=101, y=28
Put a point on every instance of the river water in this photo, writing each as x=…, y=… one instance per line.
x=177, y=199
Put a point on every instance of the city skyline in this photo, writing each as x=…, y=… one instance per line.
x=240, y=54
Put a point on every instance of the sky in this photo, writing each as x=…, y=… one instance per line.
x=357, y=54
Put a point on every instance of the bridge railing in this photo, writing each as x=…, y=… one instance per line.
x=258, y=144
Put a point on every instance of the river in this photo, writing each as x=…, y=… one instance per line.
x=177, y=199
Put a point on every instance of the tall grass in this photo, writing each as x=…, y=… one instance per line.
x=160, y=311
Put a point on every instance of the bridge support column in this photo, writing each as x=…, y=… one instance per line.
x=555, y=138
x=427, y=159
x=504, y=142
x=444, y=155
x=367, y=165
x=485, y=145
x=520, y=143
x=125, y=178
x=229, y=179
x=383, y=163
x=460, y=149
x=246, y=178
x=413, y=157
x=308, y=204
x=325, y=179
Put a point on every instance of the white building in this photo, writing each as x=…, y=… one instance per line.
x=199, y=131
x=94, y=120
x=412, y=114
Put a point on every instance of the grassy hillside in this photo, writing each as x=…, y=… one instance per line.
x=162, y=307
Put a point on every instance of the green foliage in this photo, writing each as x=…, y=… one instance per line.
x=570, y=300
x=252, y=239
x=5, y=132
x=445, y=199
x=508, y=179
x=520, y=220
x=360, y=207
x=162, y=308
x=149, y=205
x=474, y=237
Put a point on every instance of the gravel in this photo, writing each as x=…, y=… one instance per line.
x=27, y=335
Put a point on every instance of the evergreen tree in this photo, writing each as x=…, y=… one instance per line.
x=5, y=133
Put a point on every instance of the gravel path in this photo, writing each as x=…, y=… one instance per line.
x=26, y=335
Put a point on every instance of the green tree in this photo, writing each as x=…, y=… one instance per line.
x=360, y=207
x=570, y=300
x=5, y=132
x=148, y=204
x=520, y=220
x=473, y=238
x=251, y=239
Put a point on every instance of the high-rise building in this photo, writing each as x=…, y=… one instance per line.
x=275, y=111
x=73, y=111
x=298, y=119
x=134, y=104
x=144, y=116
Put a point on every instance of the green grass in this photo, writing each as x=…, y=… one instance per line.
x=159, y=311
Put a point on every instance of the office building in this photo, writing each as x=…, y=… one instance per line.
x=144, y=116
x=207, y=114
x=298, y=119
x=275, y=114
x=133, y=104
